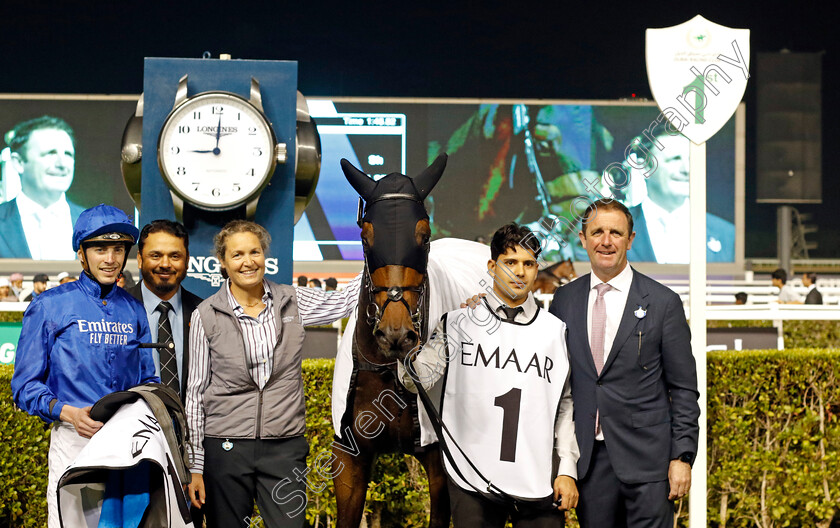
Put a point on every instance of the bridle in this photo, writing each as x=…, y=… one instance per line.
x=395, y=294
x=373, y=311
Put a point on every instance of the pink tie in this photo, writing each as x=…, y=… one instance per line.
x=599, y=325
x=596, y=337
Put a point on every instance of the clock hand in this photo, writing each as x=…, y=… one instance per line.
x=204, y=151
x=216, y=150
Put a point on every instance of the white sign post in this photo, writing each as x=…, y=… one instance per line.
x=698, y=72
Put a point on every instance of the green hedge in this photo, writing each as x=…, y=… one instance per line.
x=774, y=438
x=773, y=448
x=11, y=317
x=24, y=444
x=397, y=496
x=398, y=493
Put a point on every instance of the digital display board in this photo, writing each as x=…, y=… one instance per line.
x=70, y=153
x=529, y=163
x=375, y=142
x=508, y=161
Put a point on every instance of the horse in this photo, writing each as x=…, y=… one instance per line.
x=392, y=320
x=554, y=276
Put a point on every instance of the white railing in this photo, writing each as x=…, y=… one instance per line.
x=757, y=292
x=13, y=306
x=778, y=313
x=773, y=312
x=722, y=292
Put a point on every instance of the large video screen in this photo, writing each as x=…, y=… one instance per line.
x=528, y=163
x=58, y=156
x=537, y=164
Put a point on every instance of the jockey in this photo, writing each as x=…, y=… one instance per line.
x=79, y=342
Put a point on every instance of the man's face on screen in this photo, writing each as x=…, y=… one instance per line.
x=46, y=165
x=668, y=186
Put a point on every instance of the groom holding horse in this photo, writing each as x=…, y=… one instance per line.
x=506, y=408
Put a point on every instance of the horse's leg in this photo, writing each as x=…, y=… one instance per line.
x=438, y=492
x=352, y=474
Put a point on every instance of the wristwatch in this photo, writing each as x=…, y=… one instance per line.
x=687, y=457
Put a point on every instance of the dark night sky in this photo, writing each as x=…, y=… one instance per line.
x=585, y=50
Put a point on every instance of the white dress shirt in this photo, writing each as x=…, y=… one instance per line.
x=668, y=232
x=48, y=230
x=529, y=308
x=616, y=300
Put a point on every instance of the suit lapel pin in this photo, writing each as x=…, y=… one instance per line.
x=640, y=312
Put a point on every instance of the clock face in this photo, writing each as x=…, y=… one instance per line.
x=216, y=151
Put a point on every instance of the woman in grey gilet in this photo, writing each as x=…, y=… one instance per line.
x=244, y=400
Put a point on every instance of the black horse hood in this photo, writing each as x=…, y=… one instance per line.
x=394, y=205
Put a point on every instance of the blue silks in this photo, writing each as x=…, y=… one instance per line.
x=126, y=497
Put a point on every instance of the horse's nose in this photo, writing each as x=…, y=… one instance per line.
x=399, y=339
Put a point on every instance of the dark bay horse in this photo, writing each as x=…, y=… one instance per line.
x=554, y=276
x=391, y=320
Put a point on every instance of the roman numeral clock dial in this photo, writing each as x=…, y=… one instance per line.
x=217, y=151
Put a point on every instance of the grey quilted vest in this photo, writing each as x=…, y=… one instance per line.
x=234, y=406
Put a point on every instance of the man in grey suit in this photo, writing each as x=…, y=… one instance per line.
x=634, y=382
x=163, y=257
x=662, y=218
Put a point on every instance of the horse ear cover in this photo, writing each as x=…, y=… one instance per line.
x=423, y=182
x=395, y=219
x=361, y=182
x=426, y=180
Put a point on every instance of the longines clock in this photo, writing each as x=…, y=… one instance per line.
x=217, y=150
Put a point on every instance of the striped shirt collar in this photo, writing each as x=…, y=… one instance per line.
x=234, y=304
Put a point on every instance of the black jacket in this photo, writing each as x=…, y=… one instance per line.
x=189, y=302
x=12, y=238
x=814, y=297
x=647, y=391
